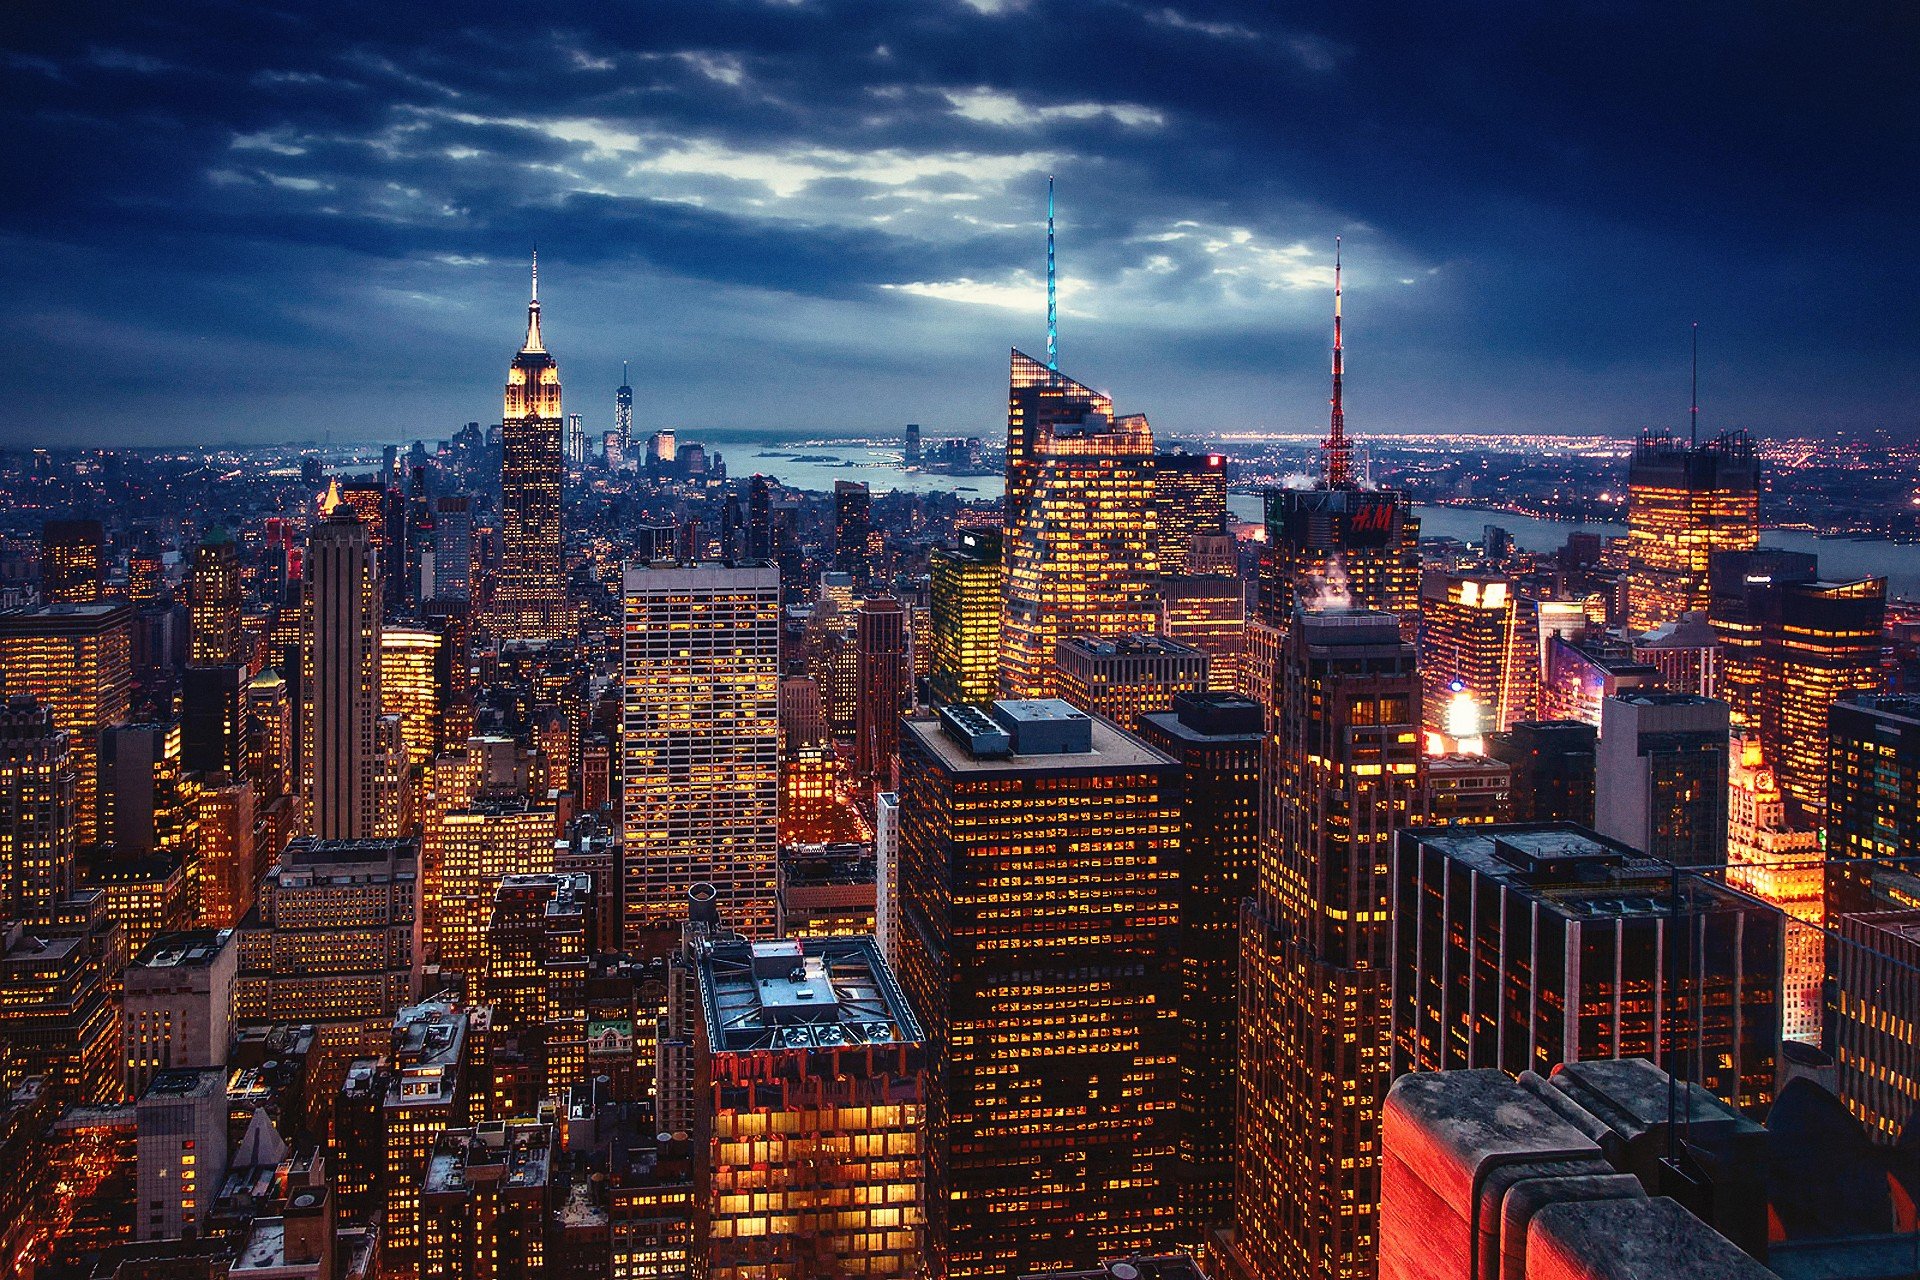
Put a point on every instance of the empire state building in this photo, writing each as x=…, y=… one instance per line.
x=529, y=599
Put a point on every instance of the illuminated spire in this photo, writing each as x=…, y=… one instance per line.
x=533, y=310
x=1053, y=315
x=1339, y=454
x=331, y=502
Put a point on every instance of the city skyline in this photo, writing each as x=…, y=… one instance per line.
x=859, y=204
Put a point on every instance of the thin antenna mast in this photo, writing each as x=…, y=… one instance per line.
x=1053, y=314
x=1693, y=413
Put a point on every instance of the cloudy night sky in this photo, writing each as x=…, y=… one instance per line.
x=259, y=222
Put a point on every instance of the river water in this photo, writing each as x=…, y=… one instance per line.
x=817, y=466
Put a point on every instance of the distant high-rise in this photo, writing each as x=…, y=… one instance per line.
x=1575, y=963
x=1208, y=611
x=452, y=548
x=146, y=805
x=1189, y=500
x=623, y=411
x=214, y=608
x=340, y=679
x=1039, y=862
x=38, y=810
x=1081, y=542
x=1216, y=739
x=885, y=679
x=1741, y=585
x=1551, y=764
x=1475, y=655
x=700, y=744
x=1685, y=502
x=965, y=598
x=1339, y=776
x=466, y=854
x=853, y=530
x=213, y=721
x=72, y=562
x=413, y=684
x=1122, y=677
x=77, y=660
x=1337, y=543
x=1660, y=780
x=1819, y=643
x=530, y=590
x=1873, y=799
x=1780, y=862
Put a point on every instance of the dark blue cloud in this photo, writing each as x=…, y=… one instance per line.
x=227, y=220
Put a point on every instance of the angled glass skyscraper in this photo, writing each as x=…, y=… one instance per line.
x=1082, y=542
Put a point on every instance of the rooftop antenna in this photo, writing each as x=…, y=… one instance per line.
x=1693, y=414
x=1339, y=454
x=536, y=274
x=1053, y=314
x=623, y=374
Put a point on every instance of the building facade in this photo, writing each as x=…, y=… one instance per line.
x=700, y=743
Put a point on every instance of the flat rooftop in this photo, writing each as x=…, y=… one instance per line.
x=515, y=1155
x=1574, y=872
x=1113, y=748
x=812, y=993
x=193, y=949
x=188, y=1082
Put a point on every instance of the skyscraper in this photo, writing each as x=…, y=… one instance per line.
x=623, y=411
x=1660, y=781
x=1782, y=863
x=1190, y=500
x=72, y=556
x=413, y=686
x=1208, y=611
x=1337, y=543
x=340, y=679
x=885, y=678
x=1820, y=643
x=77, y=660
x=1685, y=502
x=452, y=548
x=1081, y=545
x=214, y=592
x=530, y=592
x=1551, y=765
x=1216, y=739
x=815, y=1063
x=853, y=530
x=700, y=744
x=1121, y=677
x=1741, y=584
x=38, y=810
x=1339, y=775
x=1475, y=655
x=1039, y=862
x=1873, y=798
x=1570, y=958
x=965, y=596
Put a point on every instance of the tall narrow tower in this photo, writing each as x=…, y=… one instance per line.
x=1338, y=776
x=531, y=590
x=340, y=684
x=623, y=410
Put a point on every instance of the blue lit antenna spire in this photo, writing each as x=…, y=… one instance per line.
x=1053, y=314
